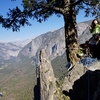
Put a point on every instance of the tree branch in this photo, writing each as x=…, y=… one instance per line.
x=49, y=6
x=77, y=2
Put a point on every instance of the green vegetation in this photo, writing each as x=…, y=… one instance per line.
x=17, y=81
x=59, y=67
x=59, y=93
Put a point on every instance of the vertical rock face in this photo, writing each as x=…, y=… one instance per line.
x=52, y=42
x=47, y=79
x=48, y=83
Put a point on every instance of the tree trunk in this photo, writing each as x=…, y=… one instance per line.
x=71, y=35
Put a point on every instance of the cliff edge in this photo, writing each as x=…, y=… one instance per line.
x=81, y=83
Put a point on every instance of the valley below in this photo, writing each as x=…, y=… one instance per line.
x=17, y=81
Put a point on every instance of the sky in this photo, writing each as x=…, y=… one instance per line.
x=30, y=32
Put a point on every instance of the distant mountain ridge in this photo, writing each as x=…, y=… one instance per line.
x=11, y=49
x=53, y=42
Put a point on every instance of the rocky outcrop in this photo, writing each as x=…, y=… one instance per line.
x=47, y=79
x=72, y=76
x=49, y=88
x=81, y=83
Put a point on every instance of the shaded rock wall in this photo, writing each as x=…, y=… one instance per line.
x=83, y=83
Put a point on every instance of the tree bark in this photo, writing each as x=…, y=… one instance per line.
x=71, y=35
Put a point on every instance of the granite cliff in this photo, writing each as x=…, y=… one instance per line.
x=53, y=42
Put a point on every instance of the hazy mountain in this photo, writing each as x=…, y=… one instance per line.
x=11, y=49
x=53, y=42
